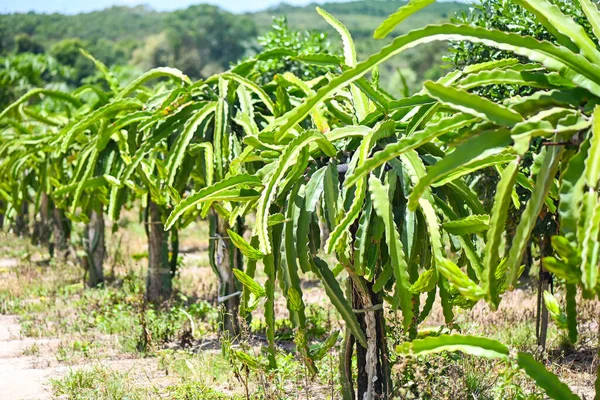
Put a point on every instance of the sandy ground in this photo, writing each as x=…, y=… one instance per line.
x=25, y=377
x=9, y=263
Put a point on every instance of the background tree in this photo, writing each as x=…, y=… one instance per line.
x=24, y=43
x=22, y=72
x=113, y=35
x=67, y=52
x=196, y=51
x=281, y=36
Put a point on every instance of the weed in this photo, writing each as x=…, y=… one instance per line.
x=98, y=383
x=49, y=306
x=206, y=368
x=32, y=350
x=196, y=391
x=75, y=351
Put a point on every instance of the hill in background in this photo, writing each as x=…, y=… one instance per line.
x=204, y=39
x=362, y=18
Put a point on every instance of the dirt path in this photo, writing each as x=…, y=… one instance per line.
x=24, y=377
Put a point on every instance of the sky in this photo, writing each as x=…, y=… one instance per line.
x=77, y=6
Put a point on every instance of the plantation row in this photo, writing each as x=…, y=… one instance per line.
x=390, y=183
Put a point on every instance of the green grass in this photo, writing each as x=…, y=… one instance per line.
x=196, y=391
x=50, y=308
x=102, y=383
x=76, y=351
x=32, y=350
x=98, y=383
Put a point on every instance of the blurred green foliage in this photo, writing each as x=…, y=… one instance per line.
x=281, y=36
x=202, y=39
x=507, y=16
x=22, y=72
